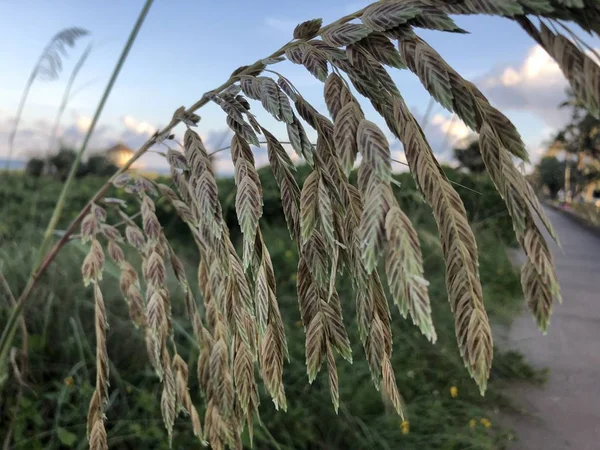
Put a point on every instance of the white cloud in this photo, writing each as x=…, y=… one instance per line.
x=223, y=165
x=83, y=123
x=534, y=87
x=399, y=163
x=261, y=159
x=216, y=139
x=443, y=133
x=535, y=84
x=453, y=128
x=131, y=123
x=33, y=135
x=538, y=145
x=538, y=67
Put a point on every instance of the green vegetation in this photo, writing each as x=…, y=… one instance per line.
x=47, y=68
x=447, y=409
x=578, y=146
x=469, y=157
x=551, y=174
x=58, y=165
x=61, y=351
x=589, y=213
x=572, y=164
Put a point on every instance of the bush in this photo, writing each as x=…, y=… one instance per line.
x=551, y=173
x=99, y=165
x=60, y=164
x=61, y=356
x=35, y=167
x=470, y=158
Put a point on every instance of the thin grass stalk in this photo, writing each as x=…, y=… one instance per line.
x=24, y=333
x=44, y=263
x=67, y=95
x=47, y=260
x=427, y=115
x=374, y=149
x=50, y=47
x=41, y=262
x=23, y=364
x=8, y=332
x=61, y=199
x=13, y=132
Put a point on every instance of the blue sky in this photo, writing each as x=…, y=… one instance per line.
x=187, y=47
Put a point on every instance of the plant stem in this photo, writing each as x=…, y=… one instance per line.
x=32, y=76
x=24, y=334
x=8, y=331
x=66, y=95
x=43, y=262
x=23, y=365
x=13, y=132
x=61, y=199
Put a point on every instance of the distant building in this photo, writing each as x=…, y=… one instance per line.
x=590, y=193
x=119, y=154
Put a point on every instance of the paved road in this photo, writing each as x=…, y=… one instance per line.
x=565, y=413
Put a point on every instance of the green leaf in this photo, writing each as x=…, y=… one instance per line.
x=66, y=437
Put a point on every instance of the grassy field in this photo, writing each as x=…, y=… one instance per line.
x=444, y=406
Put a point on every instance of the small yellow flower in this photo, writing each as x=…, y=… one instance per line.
x=454, y=392
x=299, y=323
x=485, y=422
x=69, y=381
x=128, y=389
x=405, y=426
x=472, y=423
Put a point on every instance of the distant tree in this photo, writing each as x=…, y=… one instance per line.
x=99, y=165
x=35, y=167
x=579, y=140
x=61, y=163
x=551, y=173
x=469, y=157
x=582, y=134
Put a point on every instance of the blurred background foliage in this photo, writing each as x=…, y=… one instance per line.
x=445, y=410
x=58, y=165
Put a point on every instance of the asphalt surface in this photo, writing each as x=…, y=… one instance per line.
x=565, y=412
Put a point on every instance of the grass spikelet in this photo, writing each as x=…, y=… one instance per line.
x=538, y=275
x=373, y=182
x=92, y=273
x=457, y=94
x=308, y=30
x=183, y=398
x=336, y=225
x=248, y=200
x=271, y=363
x=578, y=68
x=202, y=182
x=345, y=136
x=309, y=205
x=283, y=168
x=458, y=245
x=404, y=270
